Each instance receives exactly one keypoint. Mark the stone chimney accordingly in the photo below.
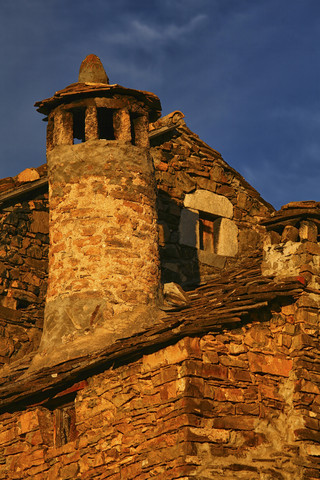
(103, 257)
(291, 246)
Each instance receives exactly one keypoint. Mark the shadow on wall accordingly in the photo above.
(179, 263)
(24, 239)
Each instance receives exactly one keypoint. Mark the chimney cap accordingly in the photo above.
(92, 71)
(294, 212)
(93, 82)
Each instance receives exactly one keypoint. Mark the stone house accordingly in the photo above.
(161, 322)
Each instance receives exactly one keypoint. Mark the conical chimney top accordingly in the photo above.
(92, 71)
(94, 82)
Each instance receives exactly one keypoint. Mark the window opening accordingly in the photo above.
(64, 426)
(208, 232)
(63, 411)
(133, 124)
(105, 123)
(62, 406)
(78, 125)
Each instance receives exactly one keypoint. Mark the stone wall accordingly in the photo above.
(260, 391)
(185, 164)
(234, 405)
(23, 265)
(291, 246)
(103, 258)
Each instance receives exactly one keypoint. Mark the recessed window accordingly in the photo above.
(134, 125)
(105, 123)
(78, 125)
(62, 406)
(208, 232)
(64, 425)
(206, 224)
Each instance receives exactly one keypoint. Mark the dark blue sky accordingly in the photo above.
(246, 74)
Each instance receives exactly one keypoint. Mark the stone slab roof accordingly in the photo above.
(222, 302)
(21, 184)
(84, 90)
(293, 211)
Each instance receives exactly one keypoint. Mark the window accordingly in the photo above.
(206, 224)
(63, 411)
(133, 129)
(208, 232)
(105, 123)
(64, 426)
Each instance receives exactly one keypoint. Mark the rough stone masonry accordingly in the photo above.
(224, 384)
(103, 259)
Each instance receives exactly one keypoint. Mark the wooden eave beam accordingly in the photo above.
(24, 189)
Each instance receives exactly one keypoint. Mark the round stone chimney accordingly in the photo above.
(103, 256)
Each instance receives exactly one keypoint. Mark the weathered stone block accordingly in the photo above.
(228, 238)
(275, 365)
(290, 233)
(28, 175)
(313, 450)
(289, 310)
(308, 230)
(302, 340)
(69, 471)
(214, 371)
(236, 422)
(28, 421)
(248, 239)
(40, 222)
(209, 434)
(308, 301)
(312, 248)
(229, 394)
(240, 375)
(170, 355)
(209, 202)
(247, 409)
(210, 357)
(258, 335)
(7, 436)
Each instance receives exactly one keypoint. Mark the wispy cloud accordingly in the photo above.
(141, 34)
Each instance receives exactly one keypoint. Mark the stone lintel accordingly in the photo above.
(209, 202)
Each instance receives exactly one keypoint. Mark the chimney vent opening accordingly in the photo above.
(105, 123)
(78, 125)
